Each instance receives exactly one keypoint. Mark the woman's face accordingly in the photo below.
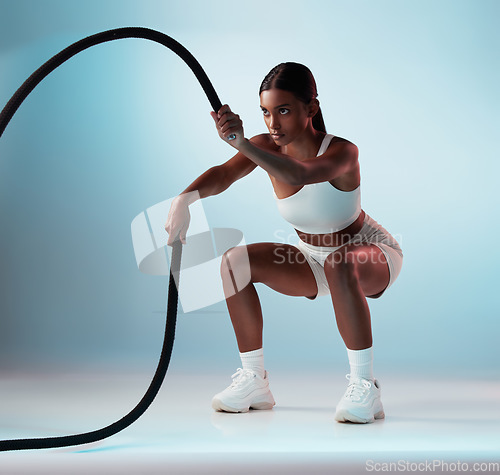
(286, 116)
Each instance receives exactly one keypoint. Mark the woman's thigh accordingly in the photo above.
(365, 262)
(282, 267)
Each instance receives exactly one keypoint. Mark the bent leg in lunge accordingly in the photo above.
(354, 272)
(281, 267)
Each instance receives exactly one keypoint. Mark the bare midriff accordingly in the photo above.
(336, 239)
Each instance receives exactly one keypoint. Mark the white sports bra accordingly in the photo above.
(320, 208)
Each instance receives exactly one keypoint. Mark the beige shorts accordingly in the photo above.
(371, 232)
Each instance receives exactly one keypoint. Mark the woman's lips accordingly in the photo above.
(276, 136)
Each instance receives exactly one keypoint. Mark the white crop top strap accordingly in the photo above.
(320, 208)
(324, 145)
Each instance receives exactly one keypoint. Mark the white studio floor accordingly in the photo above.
(438, 421)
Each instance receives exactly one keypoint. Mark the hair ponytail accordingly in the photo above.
(298, 79)
(318, 122)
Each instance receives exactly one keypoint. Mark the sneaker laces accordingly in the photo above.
(241, 376)
(357, 388)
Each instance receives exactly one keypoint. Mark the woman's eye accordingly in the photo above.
(284, 111)
(265, 112)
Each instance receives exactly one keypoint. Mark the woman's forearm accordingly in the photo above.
(283, 167)
(210, 183)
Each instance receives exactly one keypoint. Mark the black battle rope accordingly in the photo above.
(168, 342)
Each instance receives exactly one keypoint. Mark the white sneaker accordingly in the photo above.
(248, 390)
(361, 402)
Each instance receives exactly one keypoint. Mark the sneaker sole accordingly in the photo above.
(346, 416)
(219, 406)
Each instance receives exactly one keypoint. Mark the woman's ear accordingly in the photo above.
(313, 107)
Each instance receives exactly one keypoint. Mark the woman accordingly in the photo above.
(340, 250)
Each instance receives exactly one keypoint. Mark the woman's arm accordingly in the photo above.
(281, 166)
(336, 161)
(208, 183)
(214, 181)
(219, 178)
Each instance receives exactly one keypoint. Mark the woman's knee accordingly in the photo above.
(235, 267)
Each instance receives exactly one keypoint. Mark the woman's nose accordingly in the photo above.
(274, 124)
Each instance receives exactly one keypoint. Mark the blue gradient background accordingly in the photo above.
(125, 125)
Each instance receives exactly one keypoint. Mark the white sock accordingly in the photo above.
(361, 363)
(254, 360)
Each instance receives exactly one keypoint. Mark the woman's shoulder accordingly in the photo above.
(337, 139)
(343, 144)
